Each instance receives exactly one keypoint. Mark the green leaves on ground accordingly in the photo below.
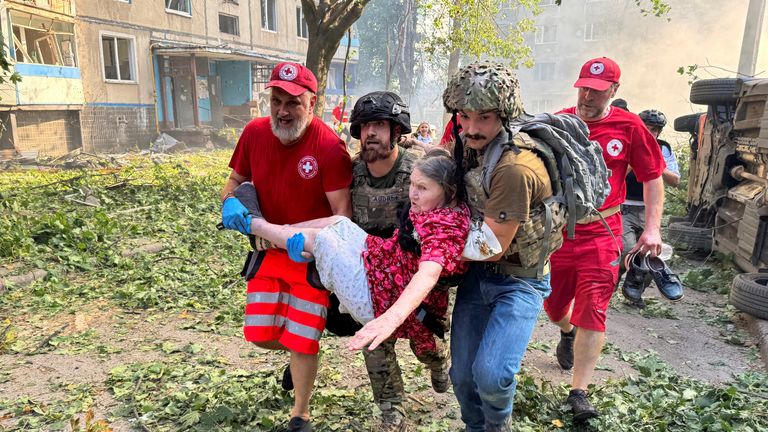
(657, 399)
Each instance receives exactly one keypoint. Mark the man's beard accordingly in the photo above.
(372, 154)
(289, 134)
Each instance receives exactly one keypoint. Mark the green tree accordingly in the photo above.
(327, 21)
(7, 74)
(388, 45)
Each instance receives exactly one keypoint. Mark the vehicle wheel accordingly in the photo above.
(673, 219)
(695, 237)
(688, 123)
(720, 91)
(749, 293)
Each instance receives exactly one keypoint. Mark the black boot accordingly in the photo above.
(287, 382)
(634, 281)
(565, 349)
(580, 406)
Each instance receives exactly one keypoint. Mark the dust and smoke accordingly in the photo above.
(649, 50)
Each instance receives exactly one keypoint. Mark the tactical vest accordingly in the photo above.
(376, 210)
(532, 245)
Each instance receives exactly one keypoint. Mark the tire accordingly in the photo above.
(749, 293)
(694, 237)
(688, 123)
(720, 91)
(673, 219)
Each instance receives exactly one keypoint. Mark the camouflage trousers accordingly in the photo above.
(386, 376)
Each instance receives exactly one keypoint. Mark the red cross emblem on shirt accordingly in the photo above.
(614, 147)
(308, 167)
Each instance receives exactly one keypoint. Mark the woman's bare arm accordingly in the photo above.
(415, 292)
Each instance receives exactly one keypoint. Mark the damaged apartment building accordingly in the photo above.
(110, 75)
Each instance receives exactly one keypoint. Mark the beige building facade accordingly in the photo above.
(119, 72)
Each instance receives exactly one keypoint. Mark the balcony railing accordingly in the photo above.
(61, 6)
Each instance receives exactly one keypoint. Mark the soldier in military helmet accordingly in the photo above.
(499, 300)
(381, 179)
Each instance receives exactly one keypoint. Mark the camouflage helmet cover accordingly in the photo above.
(484, 87)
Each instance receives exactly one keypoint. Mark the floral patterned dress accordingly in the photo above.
(441, 233)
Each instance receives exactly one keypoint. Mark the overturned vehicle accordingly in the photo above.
(727, 193)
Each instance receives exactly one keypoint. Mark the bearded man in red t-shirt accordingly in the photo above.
(301, 171)
(582, 289)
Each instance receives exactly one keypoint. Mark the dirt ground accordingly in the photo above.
(695, 344)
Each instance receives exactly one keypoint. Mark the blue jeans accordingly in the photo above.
(492, 323)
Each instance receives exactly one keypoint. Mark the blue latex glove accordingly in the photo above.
(295, 246)
(235, 216)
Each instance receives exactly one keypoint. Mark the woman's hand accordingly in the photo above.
(375, 332)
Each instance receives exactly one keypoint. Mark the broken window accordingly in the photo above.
(43, 40)
(179, 5)
(229, 24)
(119, 58)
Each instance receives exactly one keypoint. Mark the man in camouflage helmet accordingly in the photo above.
(381, 179)
(499, 300)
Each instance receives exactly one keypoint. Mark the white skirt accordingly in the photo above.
(339, 259)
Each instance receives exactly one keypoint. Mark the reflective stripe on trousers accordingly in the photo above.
(278, 321)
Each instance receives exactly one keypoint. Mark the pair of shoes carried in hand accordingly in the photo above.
(638, 266)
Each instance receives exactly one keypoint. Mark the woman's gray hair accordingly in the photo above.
(439, 166)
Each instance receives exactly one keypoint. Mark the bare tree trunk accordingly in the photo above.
(344, 75)
(388, 73)
(406, 62)
(453, 59)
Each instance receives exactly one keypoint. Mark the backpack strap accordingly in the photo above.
(493, 154)
(566, 174)
(547, 232)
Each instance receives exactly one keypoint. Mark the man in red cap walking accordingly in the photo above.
(301, 171)
(582, 289)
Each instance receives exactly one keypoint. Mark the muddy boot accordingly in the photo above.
(564, 349)
(246, 193)
(441, 382)
(580, 406)
(392, 418)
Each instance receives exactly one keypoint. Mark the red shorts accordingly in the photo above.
(582, 275)
(282, 305)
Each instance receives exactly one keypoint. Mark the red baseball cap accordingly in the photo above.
(598, 74)
(293, 78)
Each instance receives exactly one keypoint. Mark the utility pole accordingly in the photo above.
(751, 43)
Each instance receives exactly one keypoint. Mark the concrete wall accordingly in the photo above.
(117, 127)
(48, 85)
(52, 133)
(202, 27)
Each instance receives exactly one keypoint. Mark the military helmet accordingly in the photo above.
(380, 105)
(484, 87)
(653, 118)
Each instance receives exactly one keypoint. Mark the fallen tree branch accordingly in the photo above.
(132, 210)
(48, 339)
